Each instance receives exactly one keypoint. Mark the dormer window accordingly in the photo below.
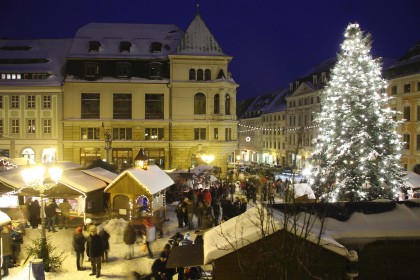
(155, 70)
(314, 79)
(123, 69)
(91, 70)
(297, 84)
(94, 46)
(291, 86)
(156, 47)
(125, 46)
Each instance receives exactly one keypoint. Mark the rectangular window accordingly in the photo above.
(46, 126)
(407, 113)
(122, 133)
(216, 133)
(1, 101)
(123, 69)
(394, 90)
(90, 133)
(46, 102)
(15, 102)
(154, 106)
(407, 88)
(30, 102)
(418, 142)
(15, 126)
(153, 134)
(407, 141)
(91, 70)
(122, 106)
(31, 126)
(90, 106)
(1, 128)
(228, 134)
(199, 134)
(418, 112)
(418, 86)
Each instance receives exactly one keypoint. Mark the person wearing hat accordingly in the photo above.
(95, 250)
(159, 270)
(79, 241)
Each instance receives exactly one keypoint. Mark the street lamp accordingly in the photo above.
(108, 144)
(34, 178)
(207, 158)
(141, 160)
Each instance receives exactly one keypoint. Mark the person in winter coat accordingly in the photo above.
(65, 208)
(94, 250)
(51, 214)
(6, 247)
(34, 213)
(180, 210)
(129, 240)
(159, 270)
(105, 242)
(17, 239)
(79, 241)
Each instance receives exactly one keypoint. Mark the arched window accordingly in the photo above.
(227, 104)
(207, 75)
(199, 104)
(217, 104)
(192, 74)
(199, 74)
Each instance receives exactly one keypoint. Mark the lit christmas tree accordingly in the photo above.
(358, 150)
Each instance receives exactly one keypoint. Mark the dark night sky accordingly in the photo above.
(272, 42)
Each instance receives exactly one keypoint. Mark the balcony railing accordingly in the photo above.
(90, 115)
(154, 116)
(122, 116)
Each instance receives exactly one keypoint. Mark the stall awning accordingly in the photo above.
(186, 256)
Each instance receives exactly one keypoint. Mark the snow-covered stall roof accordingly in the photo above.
(401, 222)
(153, 179)
(412, 179)
(102, 174)
(245, 229)
(4, 219)
(82, 182)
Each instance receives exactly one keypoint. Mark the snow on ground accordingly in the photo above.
(116, 268)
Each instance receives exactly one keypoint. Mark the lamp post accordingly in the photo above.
(108, 144)
(141, 160)
(207, 158)
(34, 178)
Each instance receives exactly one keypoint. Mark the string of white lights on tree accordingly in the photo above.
(358, 150)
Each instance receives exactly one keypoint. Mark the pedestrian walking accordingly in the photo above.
(79, 241)
(129, 240)
(34, 213)
(6, 247)
(51, 214)
(65, 208)
(94, 251)
(103, 233)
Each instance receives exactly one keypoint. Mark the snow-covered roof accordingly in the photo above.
(18, 57)
(102, 174)
(412, 179)
(153, 179)
(141, 36)
(81, 181)
(402, 222)
(4, 219)
(245, 229)
(198, 40)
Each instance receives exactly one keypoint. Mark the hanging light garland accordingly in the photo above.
(253, 128)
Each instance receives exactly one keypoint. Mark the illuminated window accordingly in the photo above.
(47, 126)
(31, 126)
(216, 133)
(30, 101)
(90, 133)
(153, 134)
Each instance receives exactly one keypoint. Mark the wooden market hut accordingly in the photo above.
(138, 191)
